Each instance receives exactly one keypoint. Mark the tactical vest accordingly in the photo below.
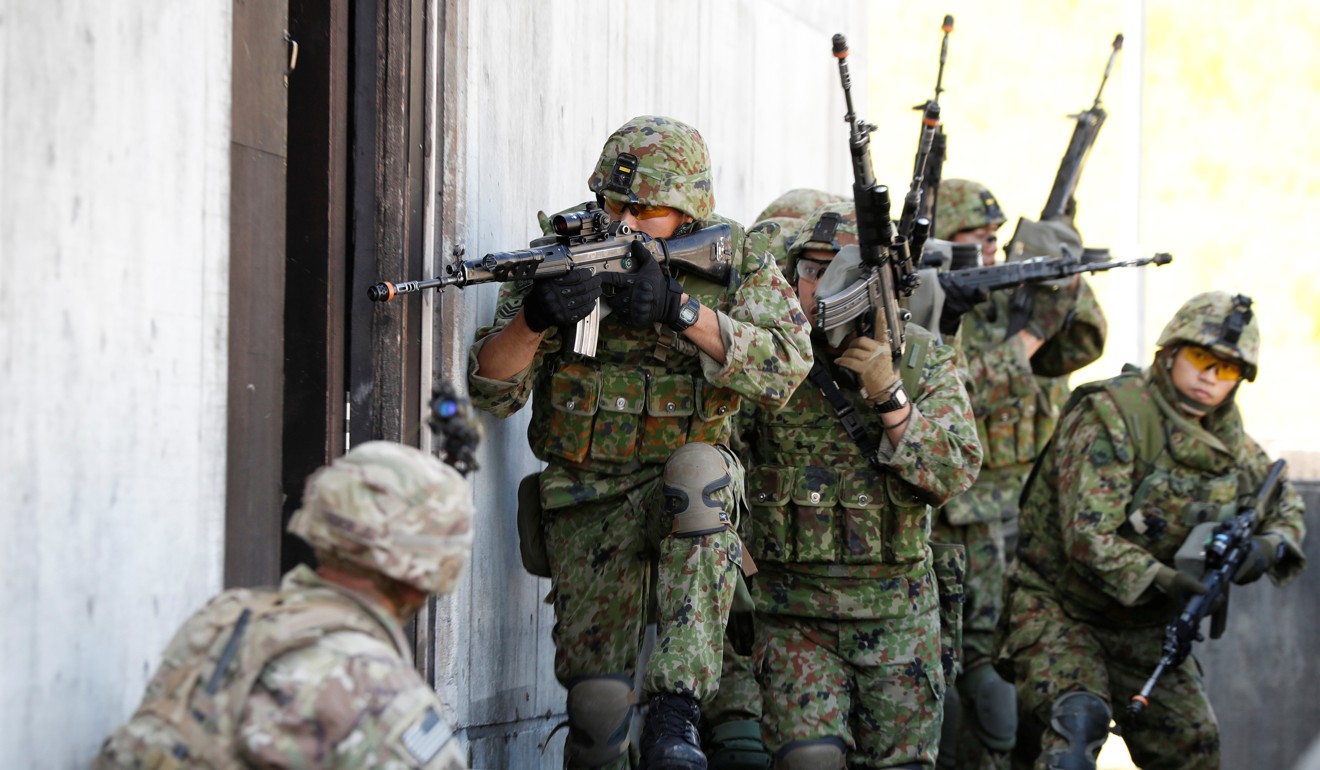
(194, 704)
(1012, 429)
(638, 399)
(816, 499)
(1170, 496)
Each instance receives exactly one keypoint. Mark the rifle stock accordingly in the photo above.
(583, 239)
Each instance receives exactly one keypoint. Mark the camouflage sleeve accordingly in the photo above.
(939, 455)
(347, 701)
(504, 397)
(1097, 464)
(766, 337)
(1285, 519)
(1080, 343)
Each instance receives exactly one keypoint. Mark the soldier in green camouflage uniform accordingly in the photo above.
(848, 640)
(1138, 461)
(798, 203)
(1019, 348)
(318, 675)
(639, 477)
(731, 721)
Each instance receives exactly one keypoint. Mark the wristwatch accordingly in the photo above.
(687, 314)
(895, 402)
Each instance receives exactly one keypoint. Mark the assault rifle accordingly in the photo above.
(1036, 270)
(1224, 553)
(932, 148)
(582, 239)
(1079, 147)
(855, 301)
(888, 272)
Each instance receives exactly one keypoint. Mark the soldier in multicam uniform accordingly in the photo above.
(848, 639)
(318, 674)
(1138, 461)
(1019, 348)
(639, 476)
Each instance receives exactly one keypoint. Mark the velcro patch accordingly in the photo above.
(425, 739)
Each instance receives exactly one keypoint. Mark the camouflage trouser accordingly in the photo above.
(739, 696)
(983, 585)
(1050, 654)
(875, 684)
(986, 568)
(602, 554)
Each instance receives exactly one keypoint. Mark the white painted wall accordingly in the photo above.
(547, 84)
(114, 183)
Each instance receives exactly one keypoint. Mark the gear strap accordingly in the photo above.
(848, 417)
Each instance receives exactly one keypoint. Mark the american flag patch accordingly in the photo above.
(425, 739)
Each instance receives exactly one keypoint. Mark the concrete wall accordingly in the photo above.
(548, 82)
(1262, 672)
(114, 179)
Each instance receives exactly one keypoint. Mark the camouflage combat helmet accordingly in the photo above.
(781, 231)
(656, 161)
(393, 509)
(1220, 322)
(965, 205)
(830, 228)
(798, 203)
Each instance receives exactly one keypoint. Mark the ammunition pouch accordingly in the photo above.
(850, 515)
(614, 415)
(531, 536)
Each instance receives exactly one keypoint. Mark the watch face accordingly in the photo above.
(689, 313)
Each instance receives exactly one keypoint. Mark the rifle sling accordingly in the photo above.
(848, 417)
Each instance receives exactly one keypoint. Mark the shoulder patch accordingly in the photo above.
(425, 739)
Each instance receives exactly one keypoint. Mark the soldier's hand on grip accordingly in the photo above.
(647, 295)
(957, 301)
(1179, 586)
(1265, 551)
(870, 360)
(561, 301)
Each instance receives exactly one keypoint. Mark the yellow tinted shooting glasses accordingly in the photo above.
(1203, 359)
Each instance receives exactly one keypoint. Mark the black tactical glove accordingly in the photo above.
(646, 295)
(1043, 309)
(957, 301)
(561, 301)
(1179, 586)
(1264, 552)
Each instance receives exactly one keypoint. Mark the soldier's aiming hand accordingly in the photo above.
(561, 301)
(646, 295)
(870, 360)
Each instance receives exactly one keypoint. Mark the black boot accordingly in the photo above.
(670, 740)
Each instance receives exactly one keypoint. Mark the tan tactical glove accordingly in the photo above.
(1179, 586)
(874, 367)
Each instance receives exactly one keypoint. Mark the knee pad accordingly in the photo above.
(694, 473)
(992, 716)
(600, 713)
(1082, 718)
(823, 754)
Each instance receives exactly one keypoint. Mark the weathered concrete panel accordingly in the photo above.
(114, 180)
(1264, 672)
